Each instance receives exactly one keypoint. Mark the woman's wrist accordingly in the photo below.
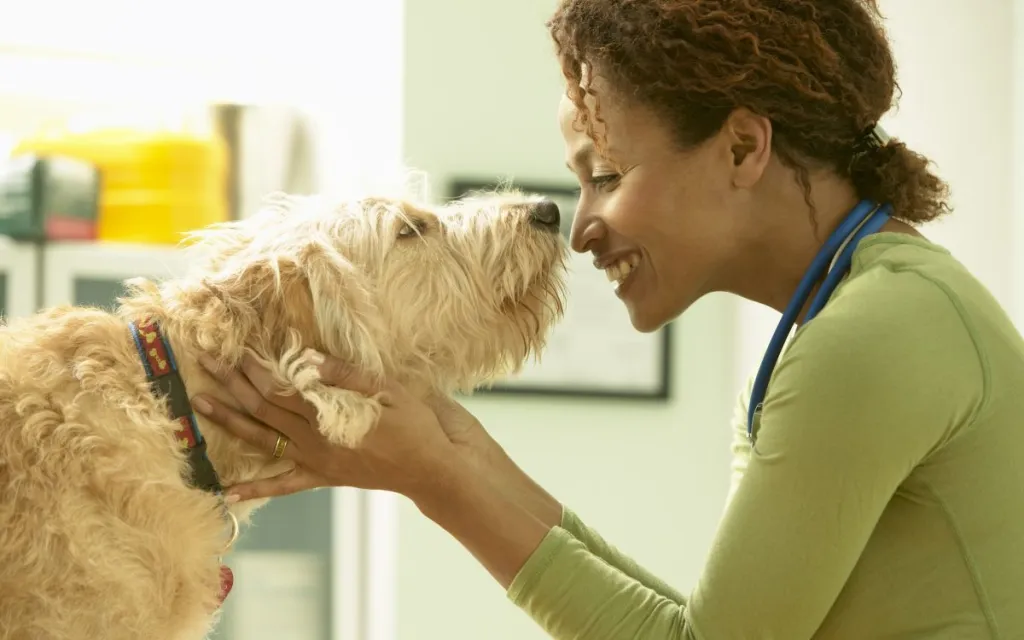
(518, 486)
(496, 528)
(534, 498)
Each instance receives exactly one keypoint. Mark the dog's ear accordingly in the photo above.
(233, 275)
(348, 321)
(348, 326)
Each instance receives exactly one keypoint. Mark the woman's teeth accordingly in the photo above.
(617, 272)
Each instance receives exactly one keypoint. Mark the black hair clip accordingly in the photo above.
(874, 137)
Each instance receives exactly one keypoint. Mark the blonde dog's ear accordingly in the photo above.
(348, 321)
(238, 280)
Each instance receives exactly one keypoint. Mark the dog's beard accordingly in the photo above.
(532, 312)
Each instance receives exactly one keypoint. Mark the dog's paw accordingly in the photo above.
(344, 417)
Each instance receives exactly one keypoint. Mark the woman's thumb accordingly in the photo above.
(341, 374)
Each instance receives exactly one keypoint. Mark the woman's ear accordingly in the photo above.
(750, 137)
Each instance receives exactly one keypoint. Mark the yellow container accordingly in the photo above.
(155, 185)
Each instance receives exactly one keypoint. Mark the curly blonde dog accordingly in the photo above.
(101, 534)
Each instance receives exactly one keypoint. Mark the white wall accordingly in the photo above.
(1018, 159)
(651, 477)
(481, 101)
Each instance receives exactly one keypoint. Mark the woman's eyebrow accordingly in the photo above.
(580, 156)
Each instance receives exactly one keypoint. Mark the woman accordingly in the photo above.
(719, 145)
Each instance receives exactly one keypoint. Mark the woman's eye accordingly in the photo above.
(604, 181)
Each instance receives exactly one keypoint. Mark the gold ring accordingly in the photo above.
(279, 447)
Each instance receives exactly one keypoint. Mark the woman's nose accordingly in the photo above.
(586, 229)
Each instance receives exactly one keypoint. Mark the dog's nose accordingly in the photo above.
(544, 215)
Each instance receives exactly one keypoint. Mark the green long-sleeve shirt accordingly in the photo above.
(884, 497)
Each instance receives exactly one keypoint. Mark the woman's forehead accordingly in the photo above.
(620, 127)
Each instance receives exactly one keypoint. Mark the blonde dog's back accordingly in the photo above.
(92, 504)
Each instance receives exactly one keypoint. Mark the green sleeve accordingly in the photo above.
(863, 394)
(602, 549)
(740, 442)
(596, 545)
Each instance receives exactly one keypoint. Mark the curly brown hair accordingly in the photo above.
(821, 70)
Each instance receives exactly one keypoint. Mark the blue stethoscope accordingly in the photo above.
(833, 261)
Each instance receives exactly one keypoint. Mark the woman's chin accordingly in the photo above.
(648, 318)
(643, 320)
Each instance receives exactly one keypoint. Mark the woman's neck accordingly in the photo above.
(786, 235)
(778, 257)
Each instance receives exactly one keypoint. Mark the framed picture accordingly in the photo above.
(594, 351)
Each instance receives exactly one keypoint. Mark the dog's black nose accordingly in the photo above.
(544, 215)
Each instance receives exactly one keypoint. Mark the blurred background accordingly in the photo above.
(124, 123)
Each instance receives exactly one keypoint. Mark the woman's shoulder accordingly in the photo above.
(911, 327)
(909, 294)
(911, 288)
(905, 333)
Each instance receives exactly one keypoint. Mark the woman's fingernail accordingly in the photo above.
(201, 405)
(232, 498)
(313, 356)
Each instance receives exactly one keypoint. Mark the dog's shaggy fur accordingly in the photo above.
(100, 536)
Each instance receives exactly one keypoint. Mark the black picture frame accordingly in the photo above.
(566, 198)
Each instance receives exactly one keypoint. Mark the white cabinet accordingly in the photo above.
(86, 273)
(18, 278)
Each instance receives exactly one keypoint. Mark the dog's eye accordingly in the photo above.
(412, 228)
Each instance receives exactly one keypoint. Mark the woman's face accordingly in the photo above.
(666, 228)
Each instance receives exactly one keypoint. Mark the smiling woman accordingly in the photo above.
(731, 145)
(643, 118)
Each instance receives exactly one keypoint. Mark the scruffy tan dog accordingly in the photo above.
(101, 534)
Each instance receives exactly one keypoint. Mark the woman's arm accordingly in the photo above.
(502, 531)
(517, 486)
(499, 531)
(598, 546)
(568, 589)
(615, 558)
(845, 422)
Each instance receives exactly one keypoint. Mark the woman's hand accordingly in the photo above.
(408, 452)
(435, 453)
(405, 427)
